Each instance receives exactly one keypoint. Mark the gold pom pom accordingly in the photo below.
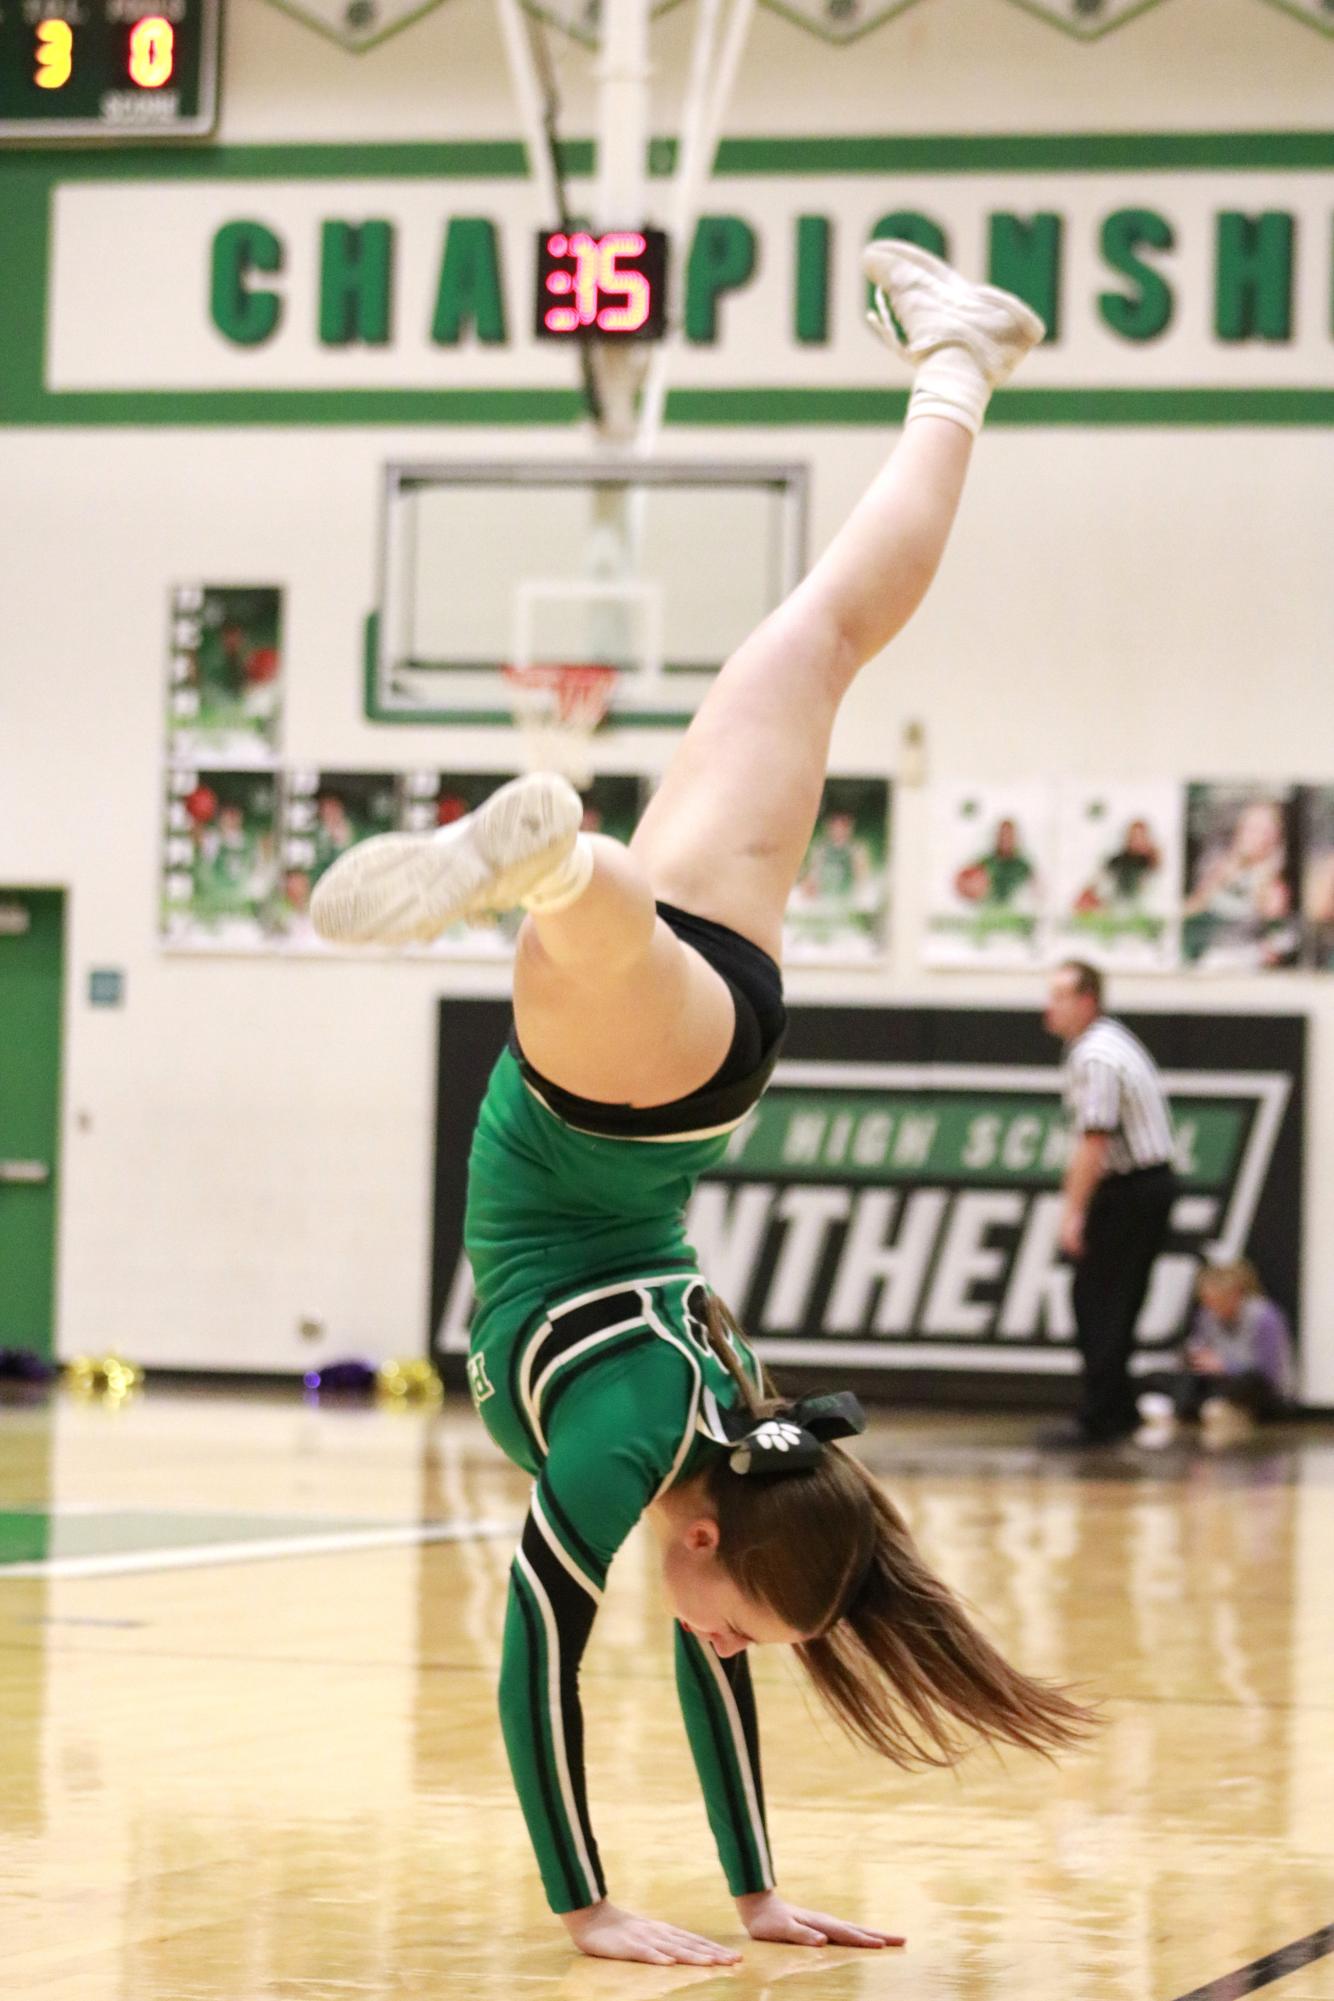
(110, 1377)
(414, 1381)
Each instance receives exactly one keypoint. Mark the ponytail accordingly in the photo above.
(892, 1652)
(907, 1673)
(725, 1339)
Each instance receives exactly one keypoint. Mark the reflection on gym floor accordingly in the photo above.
(248, 1652)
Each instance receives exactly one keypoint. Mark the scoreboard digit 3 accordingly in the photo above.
(108, 69)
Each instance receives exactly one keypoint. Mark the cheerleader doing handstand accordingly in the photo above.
(648, 1016)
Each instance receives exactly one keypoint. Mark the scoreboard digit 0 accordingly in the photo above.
(108, 69)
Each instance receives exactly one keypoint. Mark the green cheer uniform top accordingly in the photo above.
(591, 1369)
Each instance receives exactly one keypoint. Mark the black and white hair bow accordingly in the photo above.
(792, 1440)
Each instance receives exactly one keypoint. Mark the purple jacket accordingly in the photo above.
(1258, 1340)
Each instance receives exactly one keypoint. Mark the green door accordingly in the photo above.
(32, 939)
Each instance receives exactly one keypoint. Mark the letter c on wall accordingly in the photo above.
(244, 315)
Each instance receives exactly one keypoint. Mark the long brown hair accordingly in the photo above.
(894, 1656)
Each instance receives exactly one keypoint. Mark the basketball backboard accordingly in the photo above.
(659, 568)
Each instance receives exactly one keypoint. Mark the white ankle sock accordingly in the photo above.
(950, 384)
(566, 883)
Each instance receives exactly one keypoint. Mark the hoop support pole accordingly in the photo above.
(623, 106)
(528, 92)
(708, 92)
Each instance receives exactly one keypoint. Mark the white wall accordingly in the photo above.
(247, 1143)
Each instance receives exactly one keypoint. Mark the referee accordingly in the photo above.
(1119, 1188)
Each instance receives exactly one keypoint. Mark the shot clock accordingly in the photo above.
(99, 69)
(612, 286)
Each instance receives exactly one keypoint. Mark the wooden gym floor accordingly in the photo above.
(248, 1652)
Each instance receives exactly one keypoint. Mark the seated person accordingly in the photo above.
(1236, 1366)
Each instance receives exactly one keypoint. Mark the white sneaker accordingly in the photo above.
(1159, 1414)
(1225, 1423)
(934, 307)
(395, 889)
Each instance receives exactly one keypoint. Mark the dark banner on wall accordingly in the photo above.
(893, 1203)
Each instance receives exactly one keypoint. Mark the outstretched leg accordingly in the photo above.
(609, 1003)
(727, 829)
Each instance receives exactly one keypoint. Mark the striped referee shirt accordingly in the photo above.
(1111, 1085)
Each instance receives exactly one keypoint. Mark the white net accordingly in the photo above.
(557, 708)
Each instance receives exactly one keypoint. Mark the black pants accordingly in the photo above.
(1189, 1389)
(1123, 1234)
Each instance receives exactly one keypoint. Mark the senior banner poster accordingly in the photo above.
(324, 814)
(838, 912)
(1240, 906)
(224, 697)
(220, 887)
(1116, 893)
(1318, 875)
(990, 874)
(613, 804)
(432, 800)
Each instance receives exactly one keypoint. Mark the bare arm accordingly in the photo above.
(1086, 1168)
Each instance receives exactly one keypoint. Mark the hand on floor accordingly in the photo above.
(768, 1916)
(604, 1931)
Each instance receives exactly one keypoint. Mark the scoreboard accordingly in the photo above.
(613, 285)
(108, 69)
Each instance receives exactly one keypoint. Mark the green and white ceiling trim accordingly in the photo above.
(358, 25)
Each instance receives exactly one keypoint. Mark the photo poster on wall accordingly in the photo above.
(990, 870)
(324, 813)
(1115, 895)
(431, 800)
(225, 678)
(1317, 820)
(435, 799)
(838, 912)
(220, 853)
(613, 804)
(1240, 902)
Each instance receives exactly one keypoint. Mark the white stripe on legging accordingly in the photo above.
(558, 1723)
(688, 1434)
(562, 1556)
(743, 1760)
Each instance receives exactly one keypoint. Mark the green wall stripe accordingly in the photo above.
(309, 406)
(711, 407)
(865, 153)
(481, 159)
(1012, 407)
(1043, 152)
(24, 238)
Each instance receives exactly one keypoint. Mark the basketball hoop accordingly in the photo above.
(557, 708)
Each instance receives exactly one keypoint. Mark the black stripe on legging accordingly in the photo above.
(546, 1778)
(724, 1751)
(737, 1670)
(574, 1324)
(570, 1535)
(573, 1611)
